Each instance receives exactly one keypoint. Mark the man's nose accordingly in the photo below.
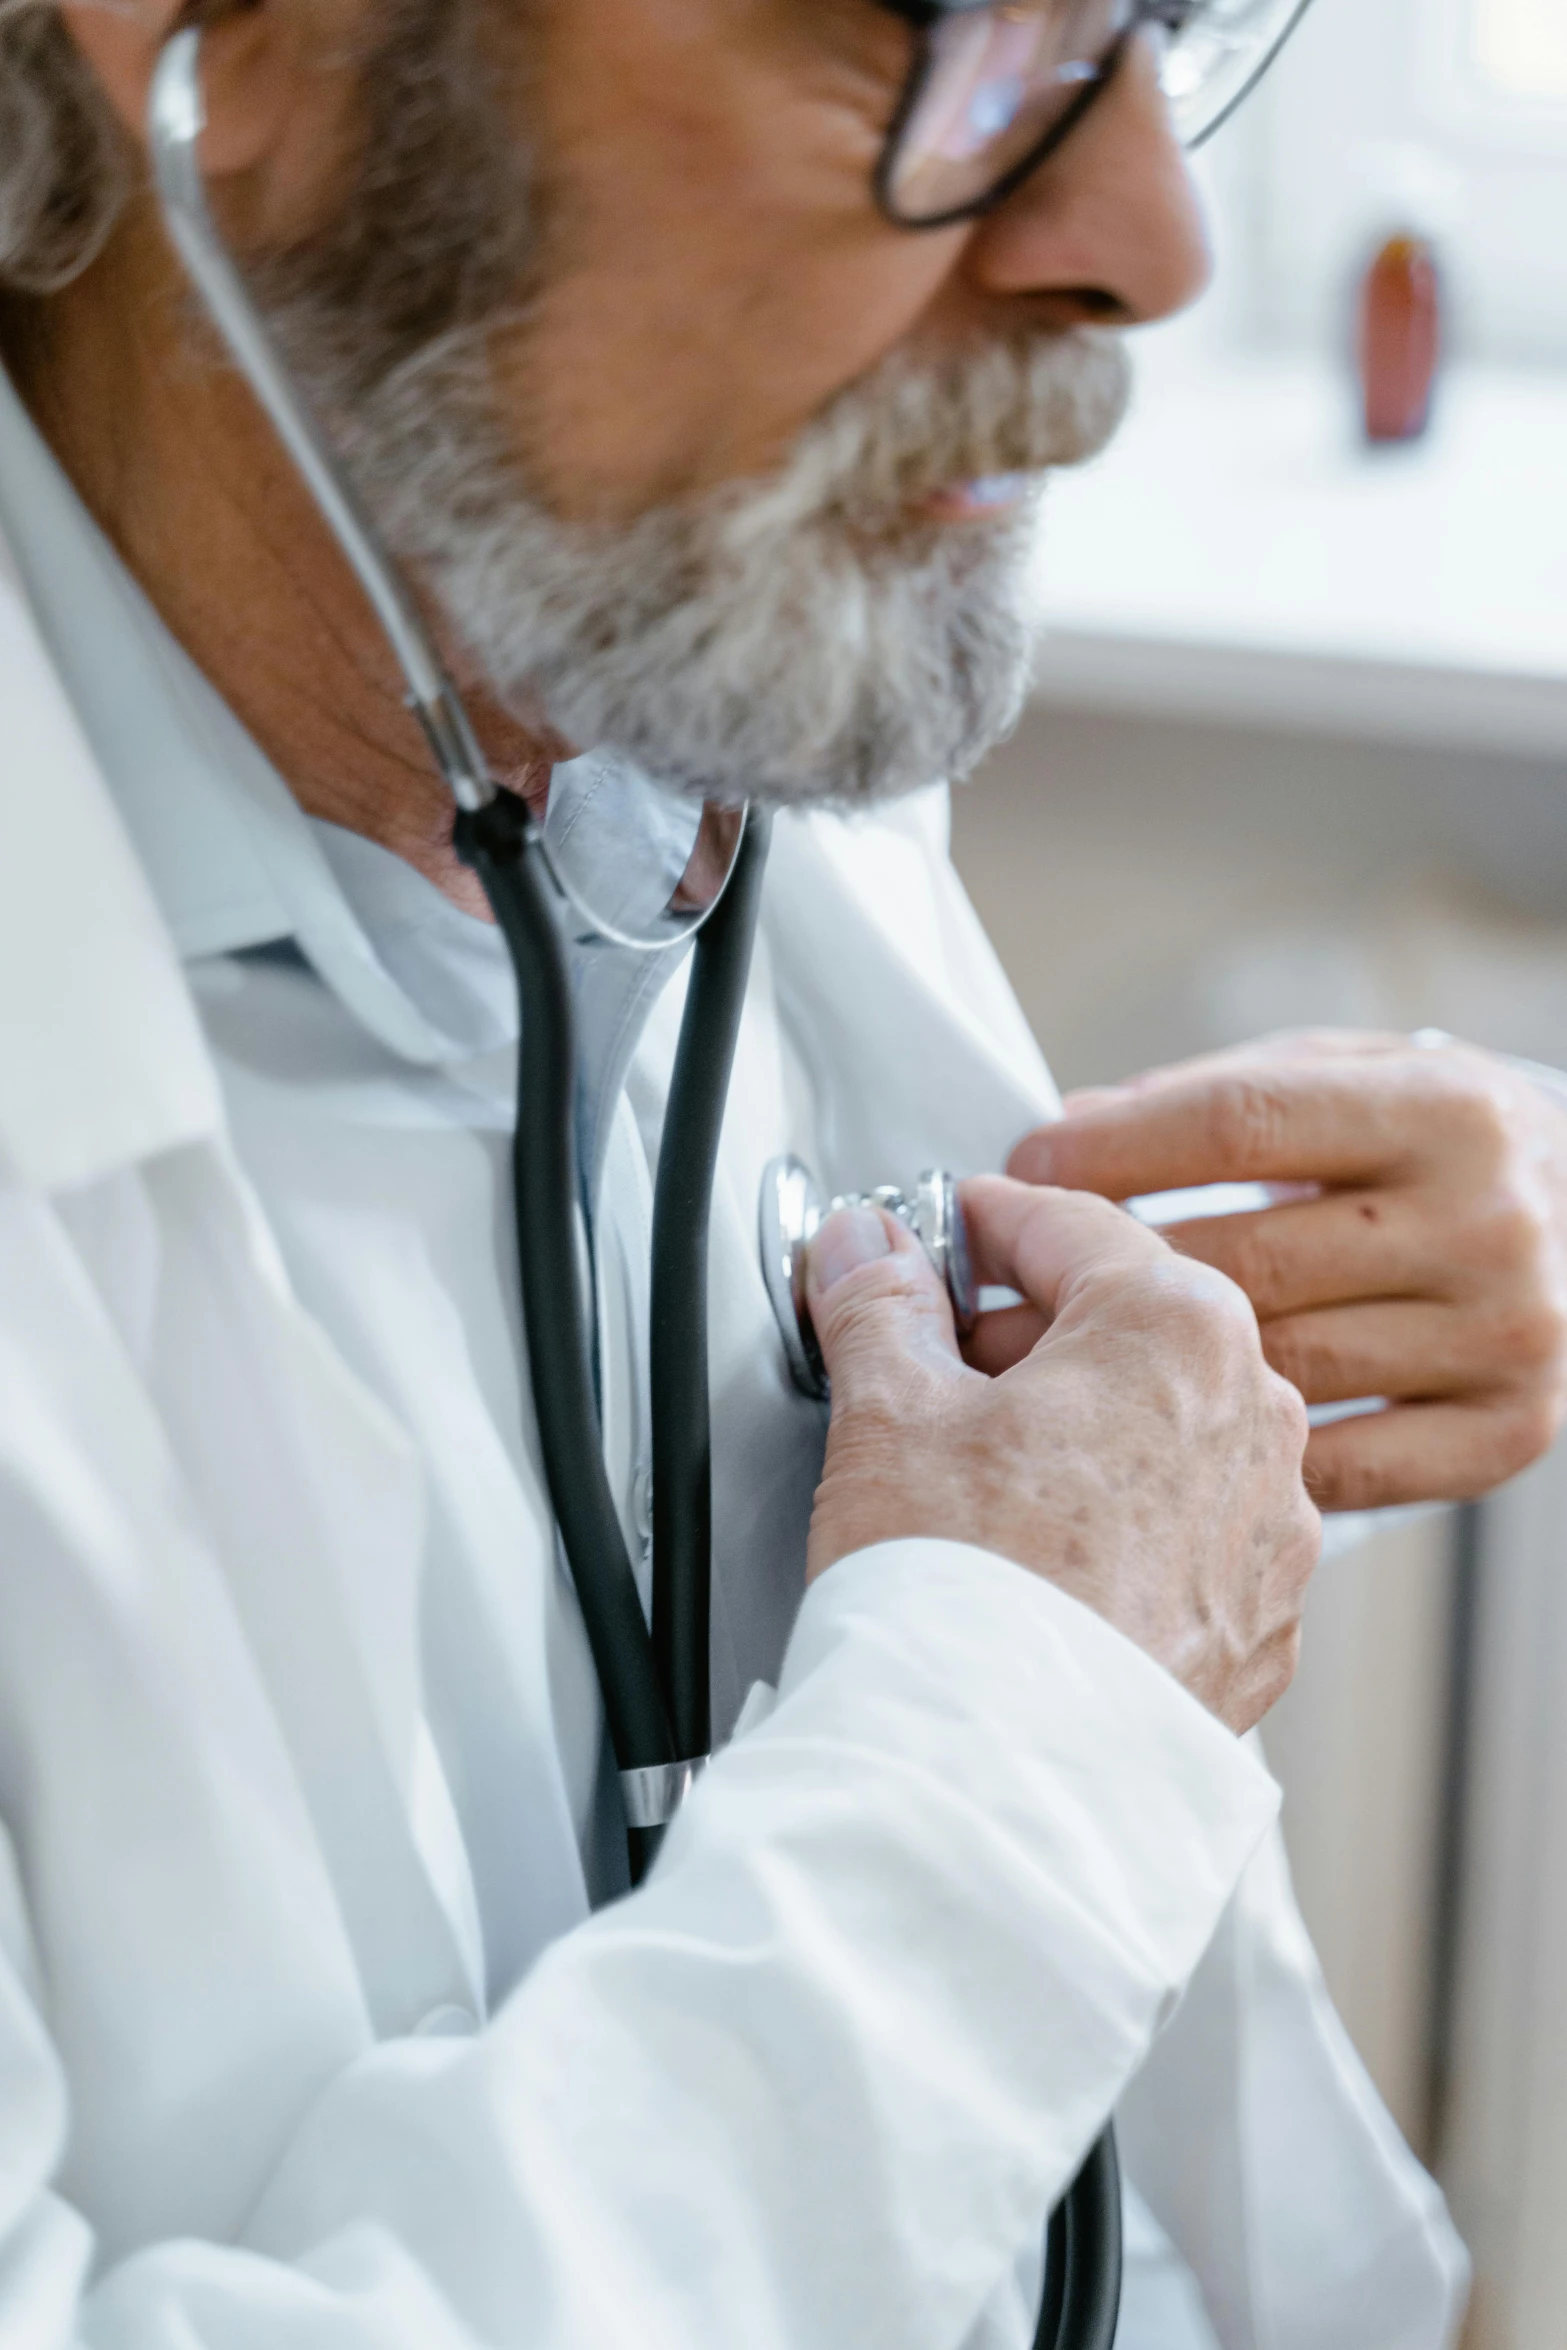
(1110, 227)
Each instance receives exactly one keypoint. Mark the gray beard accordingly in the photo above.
(800, 638)
(804, 637)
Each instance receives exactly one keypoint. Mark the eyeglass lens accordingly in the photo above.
(998, 82)
(1219, 53)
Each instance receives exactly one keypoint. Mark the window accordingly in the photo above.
(1519, 49)
(1455, 109)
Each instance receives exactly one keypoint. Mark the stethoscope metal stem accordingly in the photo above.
(653, 1796)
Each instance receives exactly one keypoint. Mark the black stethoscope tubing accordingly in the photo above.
(503, 846)
(655, 1680)
(682, 1214)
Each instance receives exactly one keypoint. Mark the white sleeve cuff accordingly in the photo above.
(1125, 1807)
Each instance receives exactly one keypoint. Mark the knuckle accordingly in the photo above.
(1308, 1537)
(869, 1301)
(1346, 1480)
(1476, 1111)
(1284, 1662)
(1293, 1354)
(1246, 1120)
(1534, 1339)
(1324, 1485)
(886, 1360)
(1113, 1221)
(1272, 1671)
(1349, 1487)
(1203, 1313)
(1138, 1289)
(1196, 1332)
(1524, 1432)
(1515, 1230)
(1030, 1160)
(1291, 1418)
(1257, 1263)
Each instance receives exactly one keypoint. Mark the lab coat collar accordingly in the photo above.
(234, 863)
(101, 1059)
(231, 859)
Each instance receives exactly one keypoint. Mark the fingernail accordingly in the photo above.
(854, 1236)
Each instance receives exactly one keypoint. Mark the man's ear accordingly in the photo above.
(250, 68)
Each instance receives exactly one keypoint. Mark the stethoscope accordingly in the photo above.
(653, 1674)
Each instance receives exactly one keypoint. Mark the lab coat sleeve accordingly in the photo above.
(813, 2086)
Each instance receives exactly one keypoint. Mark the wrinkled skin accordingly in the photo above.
(1141, 1454)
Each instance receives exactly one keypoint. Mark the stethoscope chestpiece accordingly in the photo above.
(789, 1215)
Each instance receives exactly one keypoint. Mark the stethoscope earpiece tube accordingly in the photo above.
(502, 844)
(682, 1425)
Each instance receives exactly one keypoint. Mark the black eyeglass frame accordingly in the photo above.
(925, 15)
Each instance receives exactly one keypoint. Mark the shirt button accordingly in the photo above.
(450, 2022)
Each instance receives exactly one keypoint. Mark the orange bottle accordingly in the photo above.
(1400, 339)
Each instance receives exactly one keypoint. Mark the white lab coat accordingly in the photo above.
(306, 2035)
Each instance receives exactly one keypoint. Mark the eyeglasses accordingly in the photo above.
(996, 85)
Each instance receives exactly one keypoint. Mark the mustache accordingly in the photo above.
(1018, 405)
(913, 425)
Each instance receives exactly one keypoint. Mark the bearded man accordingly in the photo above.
(701, 381)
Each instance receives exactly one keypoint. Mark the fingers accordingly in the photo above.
(1246, 1125)
(1084, 1265)
(1284, 1044)
(1049, 1243)
(1427, 1451)
(1414, 1349)
(1338, 1118)
(1345, 1245)
(879, 1308)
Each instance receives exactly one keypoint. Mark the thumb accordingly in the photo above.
(878, 1305)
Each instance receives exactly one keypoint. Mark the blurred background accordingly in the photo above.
(1298, 753)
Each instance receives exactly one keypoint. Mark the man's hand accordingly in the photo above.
(1141, 1455)
(1426, 1265)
